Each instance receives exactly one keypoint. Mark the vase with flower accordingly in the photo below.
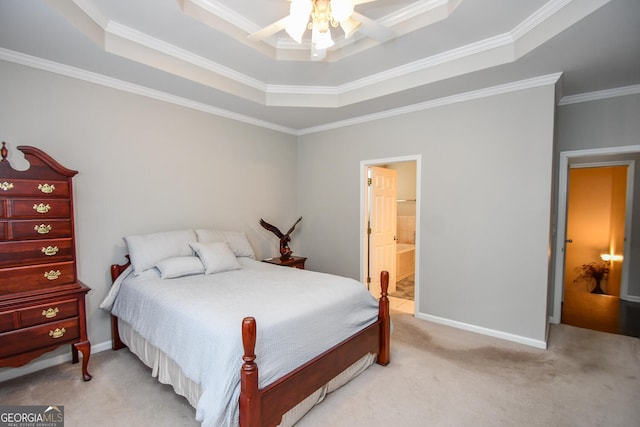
(594, 272)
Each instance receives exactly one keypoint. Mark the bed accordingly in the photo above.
(196, 307)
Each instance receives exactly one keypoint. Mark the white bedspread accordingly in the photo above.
(196, 320)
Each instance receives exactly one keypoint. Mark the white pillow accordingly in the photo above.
(217, 257)
(171, 268)
(237, 240)
(147, 250)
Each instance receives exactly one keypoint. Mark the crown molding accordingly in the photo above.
(553, 17)
(539, 17)
(223, 12)
(130, 34)
(600, 94)
(102, 80)
(76, 73)
(550, 79)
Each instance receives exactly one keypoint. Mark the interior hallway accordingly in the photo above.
(599, 312)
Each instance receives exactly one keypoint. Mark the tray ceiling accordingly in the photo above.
(199, 53)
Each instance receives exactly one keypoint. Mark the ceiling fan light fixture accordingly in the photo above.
(296, 25)
(341, 10)
(321, 15)
(321, 40)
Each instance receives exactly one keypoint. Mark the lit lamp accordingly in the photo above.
(611, 257)
(341, 10)
(318, 16)
(298, 18)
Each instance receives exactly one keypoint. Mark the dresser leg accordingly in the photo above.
(74, 354)
(85, 349)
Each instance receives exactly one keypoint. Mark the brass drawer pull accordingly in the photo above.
(42, 229)
(46, 188)
(6, 186)
(50, 313)
(52, 275)
(42, 208)
(50, 250)
(57, 333)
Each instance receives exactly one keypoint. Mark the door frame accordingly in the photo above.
(364, 209)
(561, 222)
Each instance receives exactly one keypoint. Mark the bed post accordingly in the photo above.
(384, 355)
(116, 342)
(249, 394)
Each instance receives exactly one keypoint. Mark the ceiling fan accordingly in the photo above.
(318, 16)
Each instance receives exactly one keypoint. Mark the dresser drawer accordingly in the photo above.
(36, 277)
(47, 313)
(39, 208)
(34, 229)
(6, 321)
(35, 252)
(28, 187)
(22, 340)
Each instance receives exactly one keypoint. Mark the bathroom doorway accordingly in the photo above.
(405, 233)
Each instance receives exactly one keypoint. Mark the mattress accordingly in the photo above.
(195, 321)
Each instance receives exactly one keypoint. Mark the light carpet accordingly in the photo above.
(438, 376)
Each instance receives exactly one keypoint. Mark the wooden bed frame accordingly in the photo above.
(265, 407)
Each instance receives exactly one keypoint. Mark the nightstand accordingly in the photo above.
(294, 261)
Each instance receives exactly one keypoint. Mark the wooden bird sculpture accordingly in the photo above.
(285, 251)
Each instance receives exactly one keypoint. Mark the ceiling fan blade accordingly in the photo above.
(269, 30)
(371, 28)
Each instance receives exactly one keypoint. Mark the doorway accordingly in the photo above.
(390, 228)
(594, 247)
(607, 311)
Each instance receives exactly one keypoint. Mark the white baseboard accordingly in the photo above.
(40, 364)
(631, 298)
(484, 331)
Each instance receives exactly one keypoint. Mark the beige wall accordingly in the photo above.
(484, 204)
(146, 166)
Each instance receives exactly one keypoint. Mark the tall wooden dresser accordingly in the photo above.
(42, 303)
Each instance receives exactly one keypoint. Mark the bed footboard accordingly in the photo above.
(265, 407)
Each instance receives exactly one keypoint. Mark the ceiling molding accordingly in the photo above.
(601, 94)
(550, 79)
(76, 73)
(553, 17)
(102, 80)
(130, 34)
(221, 11)
(508, 47)
(539, 17)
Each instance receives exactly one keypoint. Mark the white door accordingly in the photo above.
(383, 189)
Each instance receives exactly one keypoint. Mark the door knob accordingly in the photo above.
(569, 241)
